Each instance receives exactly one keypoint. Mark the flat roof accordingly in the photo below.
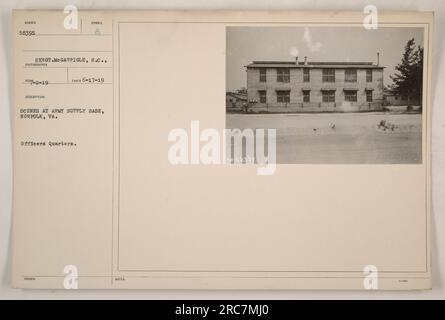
(313, 64)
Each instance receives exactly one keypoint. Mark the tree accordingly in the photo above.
(418, 73)
(408, 78)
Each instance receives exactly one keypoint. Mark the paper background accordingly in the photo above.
(5, 225)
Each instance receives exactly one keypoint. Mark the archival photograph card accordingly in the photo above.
(222, 150)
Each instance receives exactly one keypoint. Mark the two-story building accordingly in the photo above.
(293, 86)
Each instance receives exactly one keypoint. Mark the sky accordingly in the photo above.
(354, 44)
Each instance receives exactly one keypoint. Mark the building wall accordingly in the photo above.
(296, 87)
(233, 102)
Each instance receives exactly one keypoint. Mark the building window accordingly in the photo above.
(306, 95)
(368, 95)
(351, 75)
(369, 75)
(263, 75)
(328, 95)
(351, 95)
(283, 96)
(283, 75)
(328, 75)
(263, 96)
(306, 75)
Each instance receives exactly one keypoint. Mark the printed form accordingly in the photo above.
(123, 178)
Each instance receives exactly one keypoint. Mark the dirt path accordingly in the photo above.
(340, 138)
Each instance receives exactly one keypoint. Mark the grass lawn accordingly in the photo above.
(339, 137)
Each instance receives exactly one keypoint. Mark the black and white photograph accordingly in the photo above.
(334, 94)
(230, 152)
